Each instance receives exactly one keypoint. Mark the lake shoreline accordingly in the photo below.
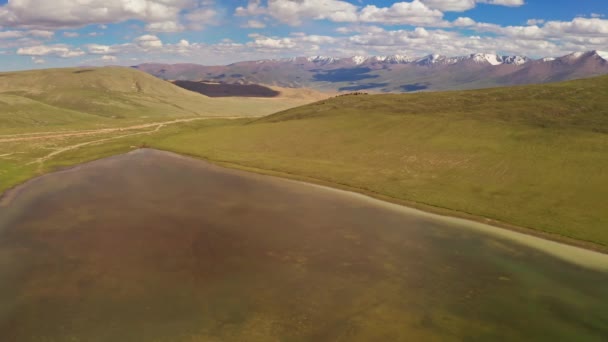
(421, 208)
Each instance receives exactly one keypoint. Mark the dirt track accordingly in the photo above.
(52, 135)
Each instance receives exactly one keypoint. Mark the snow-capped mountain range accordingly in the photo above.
(484, 58)
(394, 73)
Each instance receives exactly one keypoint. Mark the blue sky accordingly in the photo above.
(58, 33)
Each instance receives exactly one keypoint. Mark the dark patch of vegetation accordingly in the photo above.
(228, 90)
(352, 94)
(83, 71)
(363, 86)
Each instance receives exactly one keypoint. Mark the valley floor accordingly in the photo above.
(240, 144)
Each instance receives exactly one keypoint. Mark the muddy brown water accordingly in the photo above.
(151, 246)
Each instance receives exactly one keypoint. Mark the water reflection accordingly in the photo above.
(150, 246)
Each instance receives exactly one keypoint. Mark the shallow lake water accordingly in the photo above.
(151, 246)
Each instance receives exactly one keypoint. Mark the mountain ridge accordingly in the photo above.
(393, 73)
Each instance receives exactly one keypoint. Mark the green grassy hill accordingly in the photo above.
(532, 156)
(112, 96)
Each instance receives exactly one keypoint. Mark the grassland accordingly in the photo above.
(93, 98)
(532, 156)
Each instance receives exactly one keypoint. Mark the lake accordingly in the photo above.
(152, 246)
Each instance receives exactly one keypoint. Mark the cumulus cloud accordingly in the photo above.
(463, 22)
(579, 29)
(578, 26)
(509, 3)
(58, 50)
(161, 15)
(272, 43)
(200, 18)
(451, 5)
(165, 26)
(535, 21)
(410, 13)
(464, 5)
(12, 34)
(97, 49)
(359, 29)
(148, 41)
(293, 12)
(254, 7)
(415, 12)
(254, 24)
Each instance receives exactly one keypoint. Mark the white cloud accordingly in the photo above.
(200, 18)
(108, 58)
(71, 34)
(464, 5)
(96, 49)
(148, 41)
(165, 26)
(415, 12)
(31, 33)
(451, 5)
(509, 3)
(161, 15)
(578, 26)
(410, 13)
(254, 7)
(535, 21)
(463, 22)
(271, 43)
(359, 29)
(38, 60)
(42, 33)
(293, 12)
(11, 34)
(254, 24)
(58, 50)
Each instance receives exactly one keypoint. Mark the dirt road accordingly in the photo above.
(52, 135)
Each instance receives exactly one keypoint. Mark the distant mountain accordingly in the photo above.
(396, 73)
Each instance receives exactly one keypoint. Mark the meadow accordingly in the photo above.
(532, 157)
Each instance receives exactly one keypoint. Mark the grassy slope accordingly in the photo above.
(533, 156)
(75, 99)
(99, 97)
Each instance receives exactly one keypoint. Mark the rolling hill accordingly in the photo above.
(396, 73)
(110, 96)
(525, 156)
(530, 156)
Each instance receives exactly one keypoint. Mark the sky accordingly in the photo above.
(61, 33)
